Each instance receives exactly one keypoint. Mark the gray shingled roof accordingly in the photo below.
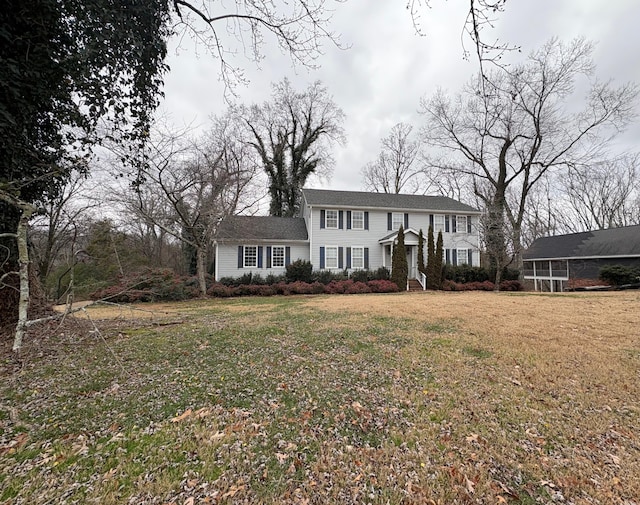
(384, 201)
(590, 244)
(236, 228)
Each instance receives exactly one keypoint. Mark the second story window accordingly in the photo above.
(461, 224)
(331, 219)
(357, 220)
(398, 220)
(438, 223)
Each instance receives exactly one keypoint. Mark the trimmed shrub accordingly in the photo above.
(274, 279)
(381, 274)
(299, 271)
(511, 285)
(360, 275)
(618, 275)
(382, 286)
(219, 290)
(356, 288)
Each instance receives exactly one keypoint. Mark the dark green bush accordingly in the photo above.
(360, 276)
(617, 275)
(299, 270)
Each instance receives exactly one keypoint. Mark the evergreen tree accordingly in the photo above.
(438, 263)
(432, 283)
(399, 265)
(421, 265)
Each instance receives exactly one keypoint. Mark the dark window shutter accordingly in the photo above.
(340, 219)
(454, 257)
(240, 258)
(348, 257)
(322, 257)
(470, 259)
(446, 224)
(454, 224)
(340, 259)
(268, 256)
(447, 254)
(259, 256)
(366, 257)
(287, 256)
(348, 220)
(322, 219)
(468, 224)
(406, 221)
(366, 220)
(389, 221)
(431, 220)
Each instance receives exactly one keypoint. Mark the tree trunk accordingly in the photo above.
(23, 259)
(202, 270)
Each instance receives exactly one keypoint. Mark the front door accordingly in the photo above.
(411, 262)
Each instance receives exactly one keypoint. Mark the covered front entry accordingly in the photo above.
(411, 246)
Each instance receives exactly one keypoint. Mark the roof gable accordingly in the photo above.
(388, 201)
(624, 241)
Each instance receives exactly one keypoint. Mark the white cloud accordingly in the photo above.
(380, 79)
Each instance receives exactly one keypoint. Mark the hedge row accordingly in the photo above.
(303, 288)
(481, 286)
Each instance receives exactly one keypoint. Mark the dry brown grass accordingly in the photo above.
(429, 398)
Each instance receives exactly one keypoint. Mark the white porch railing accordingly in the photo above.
(422, 279)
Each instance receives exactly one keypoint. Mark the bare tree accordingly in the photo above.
(506, 130)
(299, 27)
(292, 135)
(396, 169)
(190, 187)
(602, 195)
(53, 230)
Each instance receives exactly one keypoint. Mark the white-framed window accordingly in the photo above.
(397, 220)
(357, 257)
(462, 257)
(331, 219)
(357, 220)
(331, 257)
(438, 223)
(461, 224)
(250, 256)
(277, 256)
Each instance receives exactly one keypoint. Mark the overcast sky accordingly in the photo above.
(380, 79)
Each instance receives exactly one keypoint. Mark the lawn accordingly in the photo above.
(431, 398)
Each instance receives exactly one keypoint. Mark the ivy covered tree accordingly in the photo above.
(399, 265)
(292, 135)
(68, 67)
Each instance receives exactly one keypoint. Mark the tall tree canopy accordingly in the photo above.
(511, 126)
(395, 170)
(292, 134)
(67, 66)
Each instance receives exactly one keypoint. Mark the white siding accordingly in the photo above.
(378, 229)
(228, 259)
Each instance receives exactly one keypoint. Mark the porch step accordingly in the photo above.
(414, 285)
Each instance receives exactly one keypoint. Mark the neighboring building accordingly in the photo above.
(346, 230)
(553, 263)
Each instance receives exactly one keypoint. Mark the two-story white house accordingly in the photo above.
(346, 230)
